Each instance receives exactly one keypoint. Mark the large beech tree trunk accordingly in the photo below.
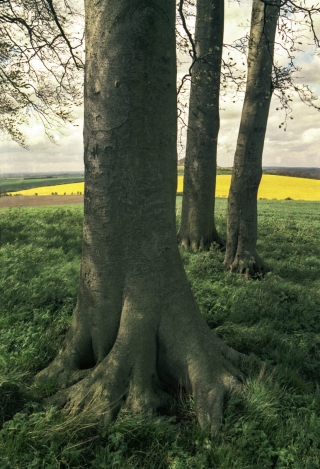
(197, 229)
(137, 332)
(241, 255)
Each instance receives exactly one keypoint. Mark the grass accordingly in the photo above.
(273, 421)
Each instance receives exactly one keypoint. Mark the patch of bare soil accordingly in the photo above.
(40, 200)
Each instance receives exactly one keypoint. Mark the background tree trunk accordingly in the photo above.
(137, 332)
(241, 255)
(197, 228)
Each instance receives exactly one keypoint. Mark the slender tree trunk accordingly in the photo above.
(137, 332)
(197, 229)
(241, 255)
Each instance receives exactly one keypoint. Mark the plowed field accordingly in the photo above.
(35, 201)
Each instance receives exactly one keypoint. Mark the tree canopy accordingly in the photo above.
(41, 64)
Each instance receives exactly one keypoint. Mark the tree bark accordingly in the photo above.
(137, 332)
(241, 255)
(197, 229)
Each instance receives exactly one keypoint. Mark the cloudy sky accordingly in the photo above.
(297, 146)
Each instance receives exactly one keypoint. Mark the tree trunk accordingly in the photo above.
(241, 255)
(137, 332)
(197, 229)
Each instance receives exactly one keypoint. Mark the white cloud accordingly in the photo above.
(310, 136)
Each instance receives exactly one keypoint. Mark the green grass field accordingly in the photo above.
(273, 421)
(18, 184)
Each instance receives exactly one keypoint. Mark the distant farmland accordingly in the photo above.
(25, 183)
(60, 189)
(271, 187)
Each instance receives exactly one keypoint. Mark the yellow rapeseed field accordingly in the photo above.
(271, 187)
(61, 189)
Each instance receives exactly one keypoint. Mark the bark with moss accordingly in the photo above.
(137, 334)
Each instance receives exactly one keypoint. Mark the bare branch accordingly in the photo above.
(40, 63)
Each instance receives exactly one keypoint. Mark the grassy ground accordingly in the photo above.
(273, 421)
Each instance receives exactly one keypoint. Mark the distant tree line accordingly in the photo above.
(292, 173)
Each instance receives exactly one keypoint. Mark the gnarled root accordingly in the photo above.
(247, 264)
(155, 354)
(196, 243)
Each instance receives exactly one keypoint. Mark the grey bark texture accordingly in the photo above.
(241, 255)
(197, 229)
(137, 333)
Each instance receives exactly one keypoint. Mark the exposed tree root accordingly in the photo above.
(111, 384)
(200, 243)
(146, 367)
(247, 264)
